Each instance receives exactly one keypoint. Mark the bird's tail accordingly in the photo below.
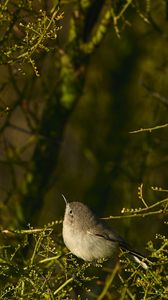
(139, 258)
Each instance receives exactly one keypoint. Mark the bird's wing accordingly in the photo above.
(103, 231)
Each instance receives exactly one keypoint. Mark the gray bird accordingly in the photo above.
(90, 238)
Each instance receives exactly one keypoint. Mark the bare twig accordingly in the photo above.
(150, 129)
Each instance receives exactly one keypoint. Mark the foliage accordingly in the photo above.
(48, 272)
(25, 29)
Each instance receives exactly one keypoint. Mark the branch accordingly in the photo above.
(150, 129)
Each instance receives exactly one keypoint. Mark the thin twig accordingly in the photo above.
(63, 285)
(108, 282)
(134, 215)
(149, 129)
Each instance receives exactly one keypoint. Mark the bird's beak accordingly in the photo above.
(66, 202)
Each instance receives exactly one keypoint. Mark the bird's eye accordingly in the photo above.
(70, 212)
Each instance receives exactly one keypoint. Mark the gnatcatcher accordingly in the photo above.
(90, 238)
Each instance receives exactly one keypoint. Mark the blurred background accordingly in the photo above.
(67, 113)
